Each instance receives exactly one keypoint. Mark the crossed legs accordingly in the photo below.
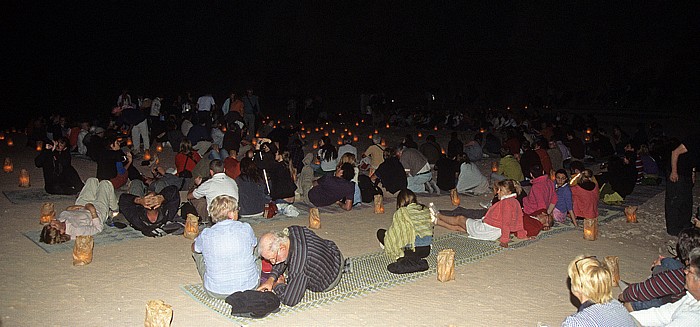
(455, 223)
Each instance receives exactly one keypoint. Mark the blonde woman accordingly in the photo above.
(591, 284)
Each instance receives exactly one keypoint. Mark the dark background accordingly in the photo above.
(75, 58)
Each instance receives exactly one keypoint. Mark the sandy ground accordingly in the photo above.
(521, 287)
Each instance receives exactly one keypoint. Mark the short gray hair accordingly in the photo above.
(695, 261)
(276, 238)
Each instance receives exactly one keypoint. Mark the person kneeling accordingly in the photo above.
(409, 236)
(310, 262)
(224, 253)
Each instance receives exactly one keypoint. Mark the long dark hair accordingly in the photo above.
(329, 151)
(250, 170)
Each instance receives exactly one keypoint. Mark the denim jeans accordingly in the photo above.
(416, 183)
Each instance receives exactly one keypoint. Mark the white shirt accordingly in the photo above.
(155, 107)
(80, 222)
(205, 103)
(217, 185)
(684, 312)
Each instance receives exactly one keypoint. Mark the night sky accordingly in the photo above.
(76, 58)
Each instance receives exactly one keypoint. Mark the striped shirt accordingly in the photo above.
(313, 263)
(669, 282)
(597, 314)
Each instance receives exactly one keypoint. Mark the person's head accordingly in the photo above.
(325, 140)
(505, 187)
(61, 143)
(51, 234)
(346, 171)
(536, 171)
(586, 181)
(216, 166)
(590, 280)
(347, 140)
(576, 167)
(505, 151)
(223, 207)
(399, 151)
(389, 152)
(688, 239)
(462, 158)
(250, 170)
(274, 246)
(692, 273)
(185, 146)
(630, 157)
(347, 158)
(542, 144)
(552, 144)
(112, 142)
(405, 197)
(561, 177)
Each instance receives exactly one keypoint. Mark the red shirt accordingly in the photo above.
(507, 215)
(182, 162)
(585, 202)
(232, 167)
(544, 160)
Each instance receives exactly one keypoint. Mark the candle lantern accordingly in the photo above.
(315, 145)
(494, 166)
(590, 229)
(158, 314)
(82, 250)
(435, 128)
(302, 128)
(363, 121)
(223, 129)
(257, 134)
(24, 178)
(314, 218)
(349, 132)
(316, 129)
(342, 135)
(369, 136)
(191, 227)
(2, 136)
(587, 138)
(48, 213)
(340, 142)
(10, 143)
(420, 134)
(303, 136)
(446, 265)
(147, 155)
(8, 167)
(308, 131)
(454, 196)
(333, 131)
(588, 130)
(355, 139)
(383, 143)
(39, 145)
(378, 204)
(129, 142)
(376, 131)
(159, 147)
(614, 266)
(387, 126)
(482, 130)
(631, 214)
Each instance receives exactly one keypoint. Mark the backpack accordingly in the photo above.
(367, 188)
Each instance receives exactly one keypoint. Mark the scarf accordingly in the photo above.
(408, 222)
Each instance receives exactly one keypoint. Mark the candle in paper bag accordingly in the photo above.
(420, 134)
(159, 147)
(454, 196)
(191, 227)
(378, 204)
(10, 143)
(446, 265)
(8, 167)
(158, 314)
(590, 229)
(129, 142)
(314, 218)
(82, 250)
(39, 146)
(147, 155)
(48, 213)
(24, 178)
(494, 166)
(631, 214)
(614, 266)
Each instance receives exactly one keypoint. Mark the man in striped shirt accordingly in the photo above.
(310, 263)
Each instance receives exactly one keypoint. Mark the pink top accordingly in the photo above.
(542, 194)
(506, 215)
(585, 202)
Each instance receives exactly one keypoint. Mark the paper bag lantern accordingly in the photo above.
(355, 138)
(24, 178)
(446, 265)
(147, 155)
(159, 147)
(631, 213)
(82, 250)
(39, 146)
(378, 204)
(314, 218)
(454, 196)
(191, 227)
(494, 166)
(613, 265)
(158, 314)
(420, 134)
(590, 229)
(48, 213)
(10, 143)
(552, 175)
(129, 142)
(8, 167)
(2, 136)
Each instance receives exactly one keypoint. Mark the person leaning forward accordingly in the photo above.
(310, 263)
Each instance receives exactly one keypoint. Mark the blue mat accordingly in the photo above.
(109, 235)
(35, 195)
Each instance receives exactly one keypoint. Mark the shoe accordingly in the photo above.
(485, 205)
(291, 211)
(405, 266)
